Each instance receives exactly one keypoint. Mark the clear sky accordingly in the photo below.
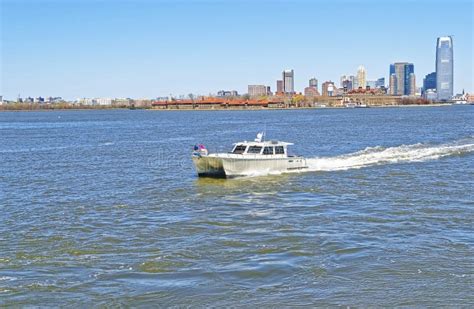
(145, 49)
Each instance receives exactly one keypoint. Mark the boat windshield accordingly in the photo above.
(254, 149)
(239, 149)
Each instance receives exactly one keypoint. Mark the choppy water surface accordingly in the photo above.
(104, 208)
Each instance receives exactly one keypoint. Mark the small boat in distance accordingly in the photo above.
(258, 157)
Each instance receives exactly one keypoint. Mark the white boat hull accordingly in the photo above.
(234, 166)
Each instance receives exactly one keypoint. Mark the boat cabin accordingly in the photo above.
(261, 148)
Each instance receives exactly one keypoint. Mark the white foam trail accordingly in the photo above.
(379, 155)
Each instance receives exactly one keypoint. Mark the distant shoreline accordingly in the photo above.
(227, 109)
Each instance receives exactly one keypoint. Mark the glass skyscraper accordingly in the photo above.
(444, 67)
(402, 78)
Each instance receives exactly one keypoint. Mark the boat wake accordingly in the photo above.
(372, 156)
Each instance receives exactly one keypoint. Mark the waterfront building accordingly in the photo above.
(402, 79)
(380, 83)
(328, 89)
(361, 77)
(288, 81)
(444, 68)
(258, 90)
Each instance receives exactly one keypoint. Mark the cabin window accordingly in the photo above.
(279, 150)
(268, 150)
(254, 149)
(239, 149)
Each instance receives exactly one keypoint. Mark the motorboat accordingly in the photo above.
(247, 158)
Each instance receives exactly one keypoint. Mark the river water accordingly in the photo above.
(104, 208)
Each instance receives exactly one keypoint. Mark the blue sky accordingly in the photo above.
(87, 48)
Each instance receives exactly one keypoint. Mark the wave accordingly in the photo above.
(372, 156)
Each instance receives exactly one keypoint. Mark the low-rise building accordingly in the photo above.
(258, 90)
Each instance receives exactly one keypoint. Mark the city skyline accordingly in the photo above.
(105, 49)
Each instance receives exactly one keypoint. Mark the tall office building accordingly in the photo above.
(361, 77)
(313, 82)
(279, 86)
(444, 67)
(402, 79)
(288, 81)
